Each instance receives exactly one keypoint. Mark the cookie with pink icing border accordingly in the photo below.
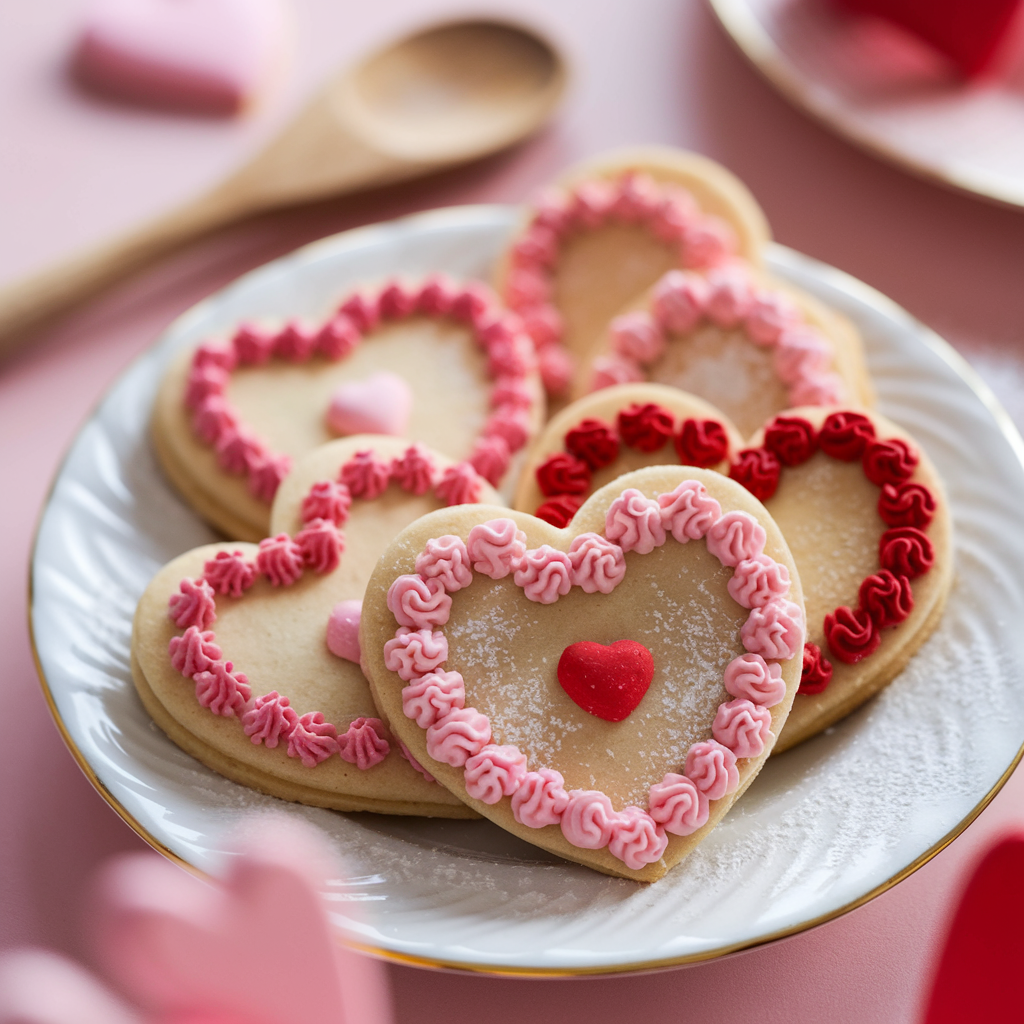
(608, 689)
(433, 360)
(618, 429)
(248, 657)
(867, 518)
(747, 343)
(606, 231)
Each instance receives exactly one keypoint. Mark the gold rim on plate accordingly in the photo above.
(749, 36)
(851, 286)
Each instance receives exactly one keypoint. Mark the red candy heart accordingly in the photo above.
(608, 682)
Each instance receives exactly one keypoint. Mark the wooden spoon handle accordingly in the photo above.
(30, 301)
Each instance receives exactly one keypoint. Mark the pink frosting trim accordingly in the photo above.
(636, 838)
(407, 754)
(688, 511)
(597, 565)
(415, 652)
(678, 805)
(270, 720)
(636, 336)
(755, 581)
(327, 499)
(455, 738)
(544, 574)
(414, 471)
(320, 544)
(496, 547)
(735, 537)
(222, 690)
(419, 603)
(229, 573)
(365, 475)
(459, 485)
(712, 769)
(742, 726)
(428, 698)
(775, 630)
(588, 819)
(761, 682)
(678, 301)
(494, 772)
(446, 559)
(363, 743)
(541, 799)
(193, 605)
(194, 651)
(312, 740)
(490, 458)
(266, 474)
(280, 560)
(634, 522)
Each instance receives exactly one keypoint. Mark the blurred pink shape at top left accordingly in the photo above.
(208, 57)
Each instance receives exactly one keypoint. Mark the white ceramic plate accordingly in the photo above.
(825, 827)
(888, 93)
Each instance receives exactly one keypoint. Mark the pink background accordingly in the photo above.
(74, 169)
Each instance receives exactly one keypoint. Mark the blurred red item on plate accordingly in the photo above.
(971, 33)
(980, 976)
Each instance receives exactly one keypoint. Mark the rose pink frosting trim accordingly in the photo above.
(446, 559)
(728, 297)
(419, 603)
(193, 605)
(363, 743)
(460, 736)
(216, 422)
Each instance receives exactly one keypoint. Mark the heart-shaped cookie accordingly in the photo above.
(751, 346)
(681, 562)
(614, 431)
(606, 232)
(236, 654)
(203, 56)
(231, 416)
(866, 516)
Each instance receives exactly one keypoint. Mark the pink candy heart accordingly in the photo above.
(205, 56)
(343, 630)
(379, 404)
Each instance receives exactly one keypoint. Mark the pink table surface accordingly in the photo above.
(73, 169)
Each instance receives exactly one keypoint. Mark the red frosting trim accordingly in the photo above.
(906, 551)
(645, 427)
(562, 473)
(791, 439)
(887, 598)
(817, 670)
(558, 511)
(906, 504)
(594, 442)
(889, 462)
(702, 443)
(758, 470)
(851, 634)
(844, 435)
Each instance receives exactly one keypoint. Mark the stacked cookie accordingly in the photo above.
(592, 622)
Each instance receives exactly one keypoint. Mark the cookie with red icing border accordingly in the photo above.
(598, 438)
(606, 231)
(867, 518)
(431, 360)
(247, 656)
(608, 689)
(749, 344)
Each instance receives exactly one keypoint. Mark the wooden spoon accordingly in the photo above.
(448, 94)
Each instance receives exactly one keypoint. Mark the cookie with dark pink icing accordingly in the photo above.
(607, 690)
(867, 518)
(433, 360)
(248, 656)
(602, 235)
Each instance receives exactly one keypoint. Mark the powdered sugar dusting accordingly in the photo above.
(673, 601)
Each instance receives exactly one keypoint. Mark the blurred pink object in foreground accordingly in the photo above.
(200, 56)
(255, 948)
(981, 974)
(973, 34)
